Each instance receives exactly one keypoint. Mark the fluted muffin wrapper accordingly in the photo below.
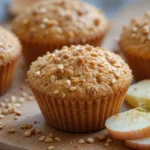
(139, 66)
(79, 116)
(32, 50)
(7, 72)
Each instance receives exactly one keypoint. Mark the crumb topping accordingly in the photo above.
(62, 20)
(135, 37)
(83, 74)
(9, 46)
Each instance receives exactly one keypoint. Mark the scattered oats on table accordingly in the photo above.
(42, 138)
(50, 148)
(81, 141)
(57, 139)
(48, 140)
(90, 140)
(11, 130)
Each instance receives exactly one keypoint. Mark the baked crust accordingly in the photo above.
(135, 38)
(79, 72)
(16, 6)
(10, 47)
(60, 20)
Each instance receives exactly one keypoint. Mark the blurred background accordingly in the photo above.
(110, 7)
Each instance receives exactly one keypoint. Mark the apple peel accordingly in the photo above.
(141, 144)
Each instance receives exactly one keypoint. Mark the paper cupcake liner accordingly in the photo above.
(77, 116)
(32, 50)
(139, 66)
(7, 72)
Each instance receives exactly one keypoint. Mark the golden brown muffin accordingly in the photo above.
(135, 44)
(10, 49)
(50, 25)
(79, 87)
(17, 6)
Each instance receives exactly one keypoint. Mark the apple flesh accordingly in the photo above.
(130, 125)
(141, 144)
(138, 94)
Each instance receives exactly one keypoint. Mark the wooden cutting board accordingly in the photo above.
(31, 113)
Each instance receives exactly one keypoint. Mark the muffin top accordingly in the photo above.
(59, 20)
(10, 46)
(135, 38)
(16, 6)
(79, 72)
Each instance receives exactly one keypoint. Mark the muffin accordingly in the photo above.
(50, 25)
(135, 44)
(16, 6)
(79, 87)
(10, 49)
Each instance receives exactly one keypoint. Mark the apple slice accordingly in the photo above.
(141, 144)
(130, 125)
(139, 94)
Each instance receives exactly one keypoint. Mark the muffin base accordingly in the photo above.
(77, 116)
(7, 72)
(139, 66)
(32, 50)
